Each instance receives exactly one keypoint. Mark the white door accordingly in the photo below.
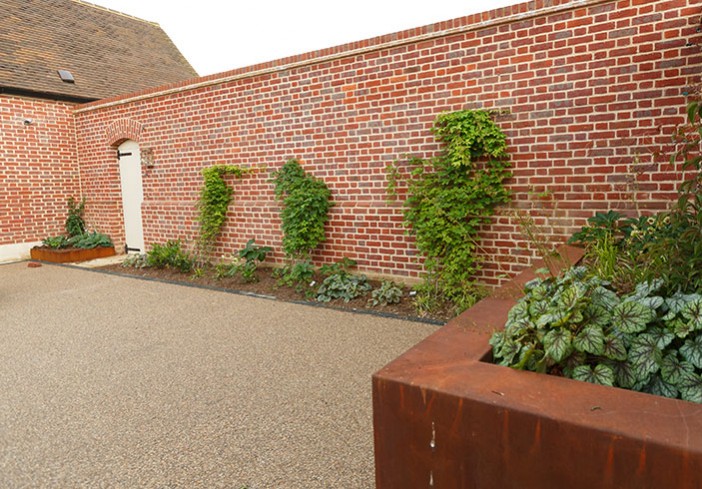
(132, 194)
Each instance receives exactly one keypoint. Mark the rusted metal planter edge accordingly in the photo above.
(444, 418)
(70, 255)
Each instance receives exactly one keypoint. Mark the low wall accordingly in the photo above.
(591, 91)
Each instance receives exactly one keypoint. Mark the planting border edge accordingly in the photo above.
(445, 417)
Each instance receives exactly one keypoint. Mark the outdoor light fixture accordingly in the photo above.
(28, 122)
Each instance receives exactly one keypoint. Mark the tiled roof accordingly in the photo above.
(108, 53)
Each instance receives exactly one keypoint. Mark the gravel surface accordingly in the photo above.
(109, 381)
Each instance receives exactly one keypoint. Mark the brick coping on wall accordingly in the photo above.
(474, 22)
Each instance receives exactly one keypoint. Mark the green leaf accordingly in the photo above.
(538, 309)
(602, 374)
(597, 315)
(661, 336)
(590, 340)
(645, 356)
(645, 289)
(604, 297)
(692, 312)
(624, 374)
(692, 351)
(571, 296)
(681, 328)
(691, 387)
(631, 317)
(673, 370)
(652, 302)
(558, 344)
(659, 387)
(614, 348)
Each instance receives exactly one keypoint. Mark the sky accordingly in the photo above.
(220, 35)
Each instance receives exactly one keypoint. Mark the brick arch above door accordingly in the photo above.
(122, 129)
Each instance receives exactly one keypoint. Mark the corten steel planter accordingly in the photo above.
(446, 418)
(70, 255)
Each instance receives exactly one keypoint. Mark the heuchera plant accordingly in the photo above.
(576, 326)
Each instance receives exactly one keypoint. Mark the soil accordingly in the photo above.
(267, 286)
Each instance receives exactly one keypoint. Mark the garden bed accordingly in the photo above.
(446, 417)
(267, 285)
(70, 255)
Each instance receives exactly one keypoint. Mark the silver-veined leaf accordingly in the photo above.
(661, 336)
(631, 317)
(597, 315)
(652, 302)
(691, 387)
(538, 309)
(601, 374)
(624, 374)
(519, 311)
(645, 356)
(681, 328)
(573, 361)
(604, 297)
(614, 348)
(645, 289)
(660, 387)
(692, 312)
(590, 340)
(508, 351)
(673, 370)
(571, 296)
(692, 351)
(558, 344)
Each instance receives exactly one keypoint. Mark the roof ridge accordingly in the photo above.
(100, 7)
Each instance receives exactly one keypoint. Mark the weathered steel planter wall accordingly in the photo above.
(445, 418)
(71, 255)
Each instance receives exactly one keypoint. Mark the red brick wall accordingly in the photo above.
(592, 88)
(38, 168)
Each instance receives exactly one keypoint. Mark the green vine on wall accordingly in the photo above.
(306, 202)
(449, 198)
(215, 198)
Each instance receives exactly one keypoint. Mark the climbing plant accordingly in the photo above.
(306, 202)
(449, 198)
(215, 198)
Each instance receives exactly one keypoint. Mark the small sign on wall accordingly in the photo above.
(147, 158)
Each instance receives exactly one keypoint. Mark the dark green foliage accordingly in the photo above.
(388, 293)
(297, 274)
(75, 225)
(340, 283)
(84, 240)
(170, 255)
(450, 198)
(306, 203)
(578, 327)
(215, 198)
(89, 240)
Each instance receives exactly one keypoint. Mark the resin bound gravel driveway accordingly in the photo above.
(108, 381)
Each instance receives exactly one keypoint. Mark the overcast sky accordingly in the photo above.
(220, 35)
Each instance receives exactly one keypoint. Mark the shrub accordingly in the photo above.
(170, 255)
(343, 286)
(298, 274)
(578, 327)
(75, 225)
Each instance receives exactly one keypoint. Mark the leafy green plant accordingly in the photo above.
(247, 263)
(388, 293)
(215, 198)
(89, 240)
(170, 255)
(344, 286)
(449, 198)
(578, 327)
(306, 204)
(75, 225)
(297, 274)
(55, 242)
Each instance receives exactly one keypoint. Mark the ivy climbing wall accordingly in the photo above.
(587, 92)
